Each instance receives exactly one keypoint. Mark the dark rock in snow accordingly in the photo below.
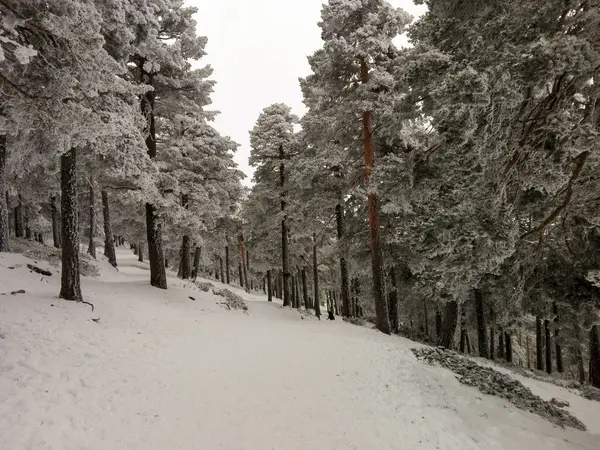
(492, 382)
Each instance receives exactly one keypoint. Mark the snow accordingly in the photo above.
(160, 371)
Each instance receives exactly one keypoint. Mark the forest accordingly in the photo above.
(443, 190)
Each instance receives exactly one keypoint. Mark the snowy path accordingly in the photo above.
(160, 371)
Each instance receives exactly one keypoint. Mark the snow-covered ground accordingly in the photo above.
(160, 371)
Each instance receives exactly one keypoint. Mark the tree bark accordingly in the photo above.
(482, 341)
(501, 344)
(241, 277)
(305, 289)
(508, 344)
(269, 286)
(557, 346)
(156, 255)
(382, 321)
(438, 326)
(140, 248)
(449, 324)
(4, 225)
(184, 262)
(548, 346)
(393, 301)
(539, 344)
(227, 273)
(284, 232)
(294, 299)
(55, 222)
(492, 334)
(19, 230)
(316, 278)
(92, 230)
(244, 255)
(197, 254)
(595, 356)
(339, 215)
(70, 286)
(109, 243)
(463, 330)
(426, 316)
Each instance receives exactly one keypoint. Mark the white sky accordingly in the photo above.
(258, 50)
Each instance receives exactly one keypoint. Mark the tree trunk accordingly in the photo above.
(156, 255)
(26, 217)
(482, 342)
(197, 254)
(595, 356)
(548, 346)
(305, 289)
(316, 278)
(393, 301)
(294, 299)
(449, 324)
(284, 232)
(244, 255)
(4, 225)
(382, 320)
(539, 343)
(438, 326)
(109, 243)
(508, 343)
(528, 352)
(339, 215)
(19, 230)
(227, 273)
(426, 316)
(70, 285)
(92, 231)
(492, 343)
(557, 346)
(140, 248)
(241, 277)
(501, 344)
(463, 330)
(55, 220)
(269, 286)
(492, 334)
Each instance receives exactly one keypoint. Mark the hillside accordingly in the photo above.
(158, 370)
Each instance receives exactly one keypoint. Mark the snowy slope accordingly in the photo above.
(160, 371)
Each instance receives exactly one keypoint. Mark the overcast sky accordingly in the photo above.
(258, 50)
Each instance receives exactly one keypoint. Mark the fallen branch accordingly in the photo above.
(38, 270)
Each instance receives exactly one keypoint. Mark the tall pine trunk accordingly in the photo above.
(393, 301)
(284, 232)
(508, 343)
(382, 320)
(339, 215)
(548, 346)
(227, 273)
(482, 341)
(197, 254)
(557, 346)
(184, 262)
(4, 225)
(109, 243)
(55, 222)
(244, 256)
(269, 286)
(316, 278)
(92, 230)
(449, 324)
(70, 286)
(156, 256)
(539, 344)
(305, 289)
(140, 249)
(19, 230)
(595, 356)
